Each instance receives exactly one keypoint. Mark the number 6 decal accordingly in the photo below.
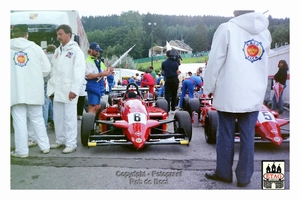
(136, 118)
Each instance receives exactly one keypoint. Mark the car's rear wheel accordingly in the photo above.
(185, 103)
(87, 127)
(210, 127)
(183, 123)
(162, 103)
(103, 106)
(194, 105)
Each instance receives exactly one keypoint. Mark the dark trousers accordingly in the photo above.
(171, 87)
(225, 145)
(80, 105)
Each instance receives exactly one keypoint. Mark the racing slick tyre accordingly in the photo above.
(185, 103)
(194, 105)
(162, 103)
(210, 127)
(183, 123)
(87, 127)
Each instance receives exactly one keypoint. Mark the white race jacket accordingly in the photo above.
(28, 65)
(237, 69)
(68, 69)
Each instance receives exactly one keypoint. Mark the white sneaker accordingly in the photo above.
(56, 146)
(69, 150)
(14, 154)
(32, 143)
(45, 151)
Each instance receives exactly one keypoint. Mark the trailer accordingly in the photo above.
(42, 26)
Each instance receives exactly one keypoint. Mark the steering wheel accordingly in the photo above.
(136, 87)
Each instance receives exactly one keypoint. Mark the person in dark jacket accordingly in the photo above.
(169, 68)
(280, 77)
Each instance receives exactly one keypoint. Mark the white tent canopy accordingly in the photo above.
(39, 17)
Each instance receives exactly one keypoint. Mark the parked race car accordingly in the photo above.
(133, 118)
(267, 128)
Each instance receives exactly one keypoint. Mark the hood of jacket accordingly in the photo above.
(253, 23)
(20, 44)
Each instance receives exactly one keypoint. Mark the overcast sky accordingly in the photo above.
(192, 7)
(276, 8)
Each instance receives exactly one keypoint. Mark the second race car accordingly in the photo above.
(267, 129)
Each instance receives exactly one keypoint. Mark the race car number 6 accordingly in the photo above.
(136, 118)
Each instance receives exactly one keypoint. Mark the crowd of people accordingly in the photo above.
(56, 82)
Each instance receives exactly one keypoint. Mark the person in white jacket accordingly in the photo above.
(67, 76)
(28, 66)
(237, 76)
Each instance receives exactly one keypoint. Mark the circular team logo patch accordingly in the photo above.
(20, 58)
(253, 50)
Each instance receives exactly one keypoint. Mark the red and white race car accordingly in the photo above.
(267, 128)
(131, 119)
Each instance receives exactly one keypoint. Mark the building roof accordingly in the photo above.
(180, 44)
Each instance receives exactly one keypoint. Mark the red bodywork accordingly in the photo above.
(135, 119)
(267, 128)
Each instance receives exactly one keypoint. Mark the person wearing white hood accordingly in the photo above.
(237, 76)
(67, 76)
(29, 64)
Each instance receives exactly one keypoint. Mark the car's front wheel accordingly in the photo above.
(210, 127)
(183, 124)
(87, 127)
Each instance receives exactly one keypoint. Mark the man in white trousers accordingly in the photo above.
(29, 65)
(67, 76)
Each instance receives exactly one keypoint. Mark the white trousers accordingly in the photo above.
(65, 122)
(20, 112)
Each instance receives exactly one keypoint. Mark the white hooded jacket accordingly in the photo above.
(28, 65)
(237, 69)
(68, 71)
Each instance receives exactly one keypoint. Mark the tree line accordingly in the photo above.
(117, 33)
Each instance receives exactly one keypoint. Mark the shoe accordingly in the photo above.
(213, 176)
(45, 151)
(242, 184)
(56, 146)
(14, 154)
(32, 143)
(69, 150)
(280, 112)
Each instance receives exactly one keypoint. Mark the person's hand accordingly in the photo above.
(210, 95)
(105, 73)
(72, 96)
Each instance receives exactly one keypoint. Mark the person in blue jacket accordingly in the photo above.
(189, 85)
(94, 74)
(111, 81)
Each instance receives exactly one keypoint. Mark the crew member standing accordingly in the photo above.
(95, 77)
(67, 77)
(29, 64)
(236, 75)
(170, 70)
